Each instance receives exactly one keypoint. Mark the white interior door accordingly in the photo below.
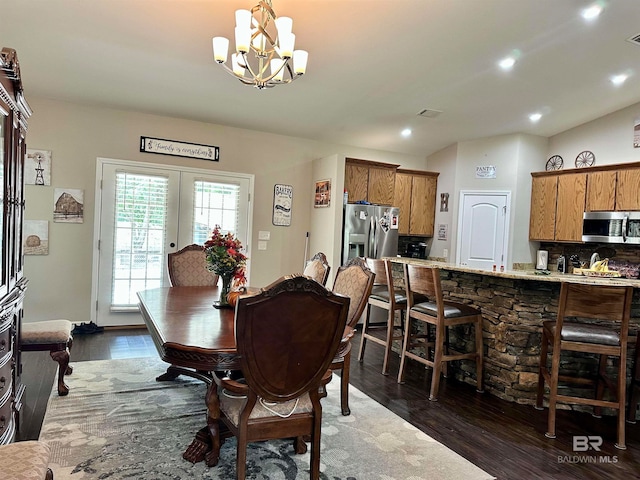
(144, 212)
(483, 228)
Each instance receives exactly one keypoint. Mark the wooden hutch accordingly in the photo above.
(14, 114)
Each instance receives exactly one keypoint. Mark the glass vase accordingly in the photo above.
(223, 301)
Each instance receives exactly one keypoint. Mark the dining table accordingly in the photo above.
(196, 339)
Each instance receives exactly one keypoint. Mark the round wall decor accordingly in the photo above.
(554, 163)
(585, 159)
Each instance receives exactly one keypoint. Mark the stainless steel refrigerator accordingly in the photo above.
(369, 231)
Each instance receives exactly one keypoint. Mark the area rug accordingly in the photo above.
(119, 423)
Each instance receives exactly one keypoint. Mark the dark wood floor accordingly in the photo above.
(505, 439)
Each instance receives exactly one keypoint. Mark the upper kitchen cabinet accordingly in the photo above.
(628, 189)
(372, 182)
(570, 207)
(544, 196)
(415, 194)
(557, 207)
(601, 191)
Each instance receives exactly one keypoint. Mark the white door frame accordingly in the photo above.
(497, 193)
(98, 212)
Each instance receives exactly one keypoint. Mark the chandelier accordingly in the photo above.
(264, 48)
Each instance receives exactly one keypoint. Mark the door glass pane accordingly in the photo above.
(139, 237)
(214, 204)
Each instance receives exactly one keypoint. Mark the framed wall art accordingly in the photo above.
(68, 205)
(36, 237)
(37, 167)
(636, 133)
(282, 202)
(323, 194)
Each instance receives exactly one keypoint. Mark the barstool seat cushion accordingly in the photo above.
(46, 331)
(451, 310)
(25, 460)
(381, 293)
(585, 333)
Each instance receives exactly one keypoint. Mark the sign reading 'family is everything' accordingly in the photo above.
(179, 149)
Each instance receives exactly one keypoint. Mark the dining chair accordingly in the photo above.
(387, 296)
(286, 338)
(426, 305)
(188, 268)
(26, 460)
(353, 280)
(599, 323)
(318, 268)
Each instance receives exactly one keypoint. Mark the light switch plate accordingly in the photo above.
(264, 235)
(262, 245)
(445, 253)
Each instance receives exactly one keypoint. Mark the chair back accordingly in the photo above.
(318, 268)
(287, 336)
(424, 281)
(602, 302)
(188, 268)
(379, 268)
(354, 280)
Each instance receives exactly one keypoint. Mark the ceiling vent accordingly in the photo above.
(429, 113)
(634, 39)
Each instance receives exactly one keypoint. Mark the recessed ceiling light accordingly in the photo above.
(592, 12)
(619, 79)
(507, 63)
(534, 117)
(406, 132)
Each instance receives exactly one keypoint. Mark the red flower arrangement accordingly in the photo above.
(224, 257)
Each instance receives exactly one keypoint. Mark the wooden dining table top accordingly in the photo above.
(186, 328)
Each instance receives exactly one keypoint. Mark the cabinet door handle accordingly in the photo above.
(3, 422)
(3, 345)
(3, 382)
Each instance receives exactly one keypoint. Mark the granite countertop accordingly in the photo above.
(523, 274)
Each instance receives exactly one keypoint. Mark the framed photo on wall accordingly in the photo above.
(323, 194)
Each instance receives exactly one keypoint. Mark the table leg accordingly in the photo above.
(206, 445)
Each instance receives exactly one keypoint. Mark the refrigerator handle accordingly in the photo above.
(372, 238)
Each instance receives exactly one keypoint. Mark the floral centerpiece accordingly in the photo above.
(225, 259)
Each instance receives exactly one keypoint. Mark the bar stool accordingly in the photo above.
(609, 304)
(425, 282)
(386, 296)
(634, 388)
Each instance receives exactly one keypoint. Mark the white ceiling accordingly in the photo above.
(373, 65)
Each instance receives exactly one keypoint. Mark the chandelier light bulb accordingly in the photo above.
(243, 18)
(300, 61)
(238, 70)
(284, 24)
(243, 39)
(220, 49)
(287, 42)
(277, 69)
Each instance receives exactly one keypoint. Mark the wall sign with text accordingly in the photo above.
(179, 149)
(282, 201)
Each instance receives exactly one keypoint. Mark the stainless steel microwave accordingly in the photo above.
(611, 227)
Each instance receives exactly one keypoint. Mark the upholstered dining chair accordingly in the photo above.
(426, 305)
(318, 268)
(387, 296)
(353, 280)
(188, 268)
(286, 337)
(598, 324)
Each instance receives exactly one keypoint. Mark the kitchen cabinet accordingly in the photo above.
(14, 113)
(415, 194)
(372, 182)
(601, 191)
(557, 207)
(542, 219)
(628, 189)
(570, 207)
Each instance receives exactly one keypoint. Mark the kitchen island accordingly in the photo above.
(514, 304)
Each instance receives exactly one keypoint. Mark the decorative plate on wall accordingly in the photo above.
(585, 159)
(554, 163)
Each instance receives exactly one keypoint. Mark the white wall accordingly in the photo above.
(610, 138)
(60, 283)
(444, 162)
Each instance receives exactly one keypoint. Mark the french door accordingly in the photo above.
(144, 212)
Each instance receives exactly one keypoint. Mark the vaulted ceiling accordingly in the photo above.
(373, 65)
